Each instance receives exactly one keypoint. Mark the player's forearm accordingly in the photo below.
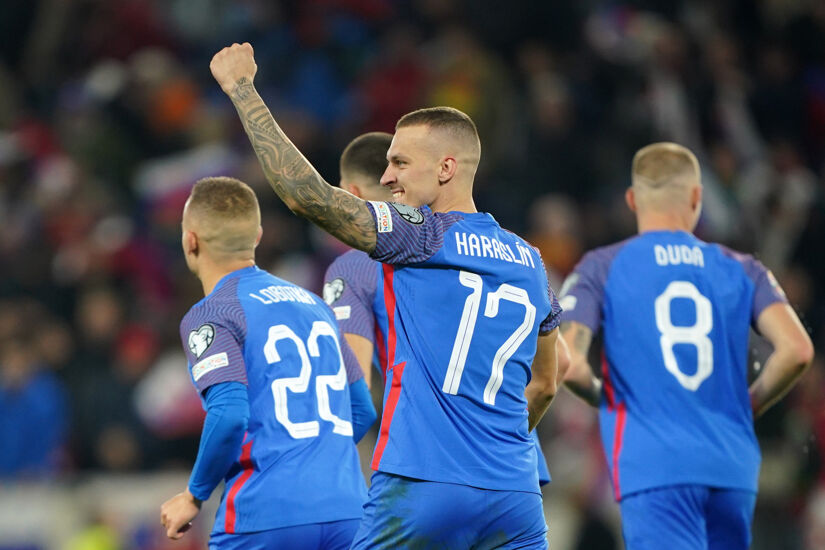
(781, 371)
(295, 180)
(539, 396)
(579, 379)
(543, 382)
(223, 431)
(581, 383)
(363, 411)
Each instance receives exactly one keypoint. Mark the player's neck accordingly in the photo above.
(663, 222)
(454, 204)
(210, 273)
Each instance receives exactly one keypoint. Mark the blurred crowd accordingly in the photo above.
(108, 114)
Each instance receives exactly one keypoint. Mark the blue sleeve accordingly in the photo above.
(363, 411)
(227, 413)
(349, 289)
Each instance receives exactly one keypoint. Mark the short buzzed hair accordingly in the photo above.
(660, 164)
(452, 120)
(366, 156)
(226, 213)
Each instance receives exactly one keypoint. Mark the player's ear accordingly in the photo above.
(260, 234)
(446, 169)
(352, 188)
(190, 243)
(696, 198)
(630, 199)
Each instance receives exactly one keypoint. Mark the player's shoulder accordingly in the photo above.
(750, 265)
(515, 236)
(352, 260)
(602, 257)
(221, 308)
(732, 254)
(221, 304)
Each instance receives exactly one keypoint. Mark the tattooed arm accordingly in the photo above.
(579, 378)
(293, 178)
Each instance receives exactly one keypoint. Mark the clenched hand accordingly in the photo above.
(232, 64)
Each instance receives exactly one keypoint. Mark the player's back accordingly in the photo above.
(299, 463)
(461, 321)
(676, 317)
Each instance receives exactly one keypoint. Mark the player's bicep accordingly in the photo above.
(780, 325)
(582, 294)
(351, 364)
(545, 363)
(362, 349)
(215, 356)
(347, 292)
(407, 235)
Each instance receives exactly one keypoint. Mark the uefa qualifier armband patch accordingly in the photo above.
(383, 218)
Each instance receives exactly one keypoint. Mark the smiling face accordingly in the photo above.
(412, 173)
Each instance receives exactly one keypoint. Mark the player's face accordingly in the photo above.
(413, 167)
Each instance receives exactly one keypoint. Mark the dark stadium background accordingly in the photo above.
(108, 113)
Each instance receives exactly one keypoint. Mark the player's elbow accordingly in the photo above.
(803, 352)
(563, 360)
(544, 386)
(295, 206)
(370, 418)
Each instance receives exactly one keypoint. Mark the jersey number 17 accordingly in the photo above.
(466, 327)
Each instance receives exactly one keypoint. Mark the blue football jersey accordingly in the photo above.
(298, 462)
(676, 314)
(350, 288)
(459, 303)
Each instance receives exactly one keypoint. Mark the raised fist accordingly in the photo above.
(232, 64)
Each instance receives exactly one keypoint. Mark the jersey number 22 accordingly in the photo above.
(300, 383)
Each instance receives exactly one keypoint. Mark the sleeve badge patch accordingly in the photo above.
(200, 339)
(333, 290)
(209, 364)
(410, 214)
(382, 216)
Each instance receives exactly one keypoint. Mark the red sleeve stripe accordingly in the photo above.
(237, 485)
(618, 433)
(396, 371)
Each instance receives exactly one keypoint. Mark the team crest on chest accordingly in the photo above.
(333, 290)
(200, 339)
(412, 215)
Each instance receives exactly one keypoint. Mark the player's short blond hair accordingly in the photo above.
(662, 164)
(457, 124)
(225, 214)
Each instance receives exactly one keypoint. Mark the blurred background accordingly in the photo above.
(108, 114)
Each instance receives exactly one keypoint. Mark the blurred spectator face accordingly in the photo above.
(724, 163)
(16, 364)
(99, 315)
(54, 342)
(551, 103)
(117, 449)
(412, 172)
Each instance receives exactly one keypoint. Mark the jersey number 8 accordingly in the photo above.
(300, 383)
(695, 335)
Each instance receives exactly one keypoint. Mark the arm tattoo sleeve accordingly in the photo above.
(582, 336)
(295, 180)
